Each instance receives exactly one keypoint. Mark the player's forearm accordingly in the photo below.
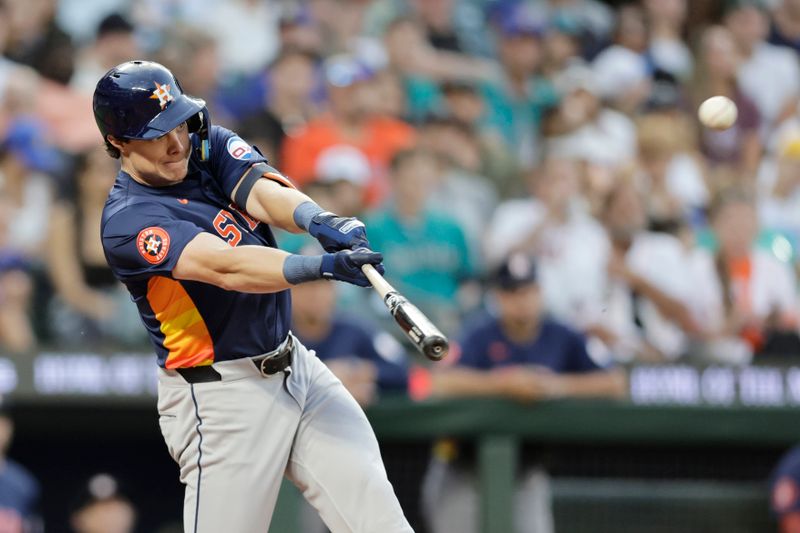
(252, 269)
(599, 384)
(274, 204)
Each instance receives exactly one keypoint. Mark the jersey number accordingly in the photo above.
(225, 225)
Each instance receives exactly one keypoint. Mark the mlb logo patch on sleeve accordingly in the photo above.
(153, 244)
(239, 149)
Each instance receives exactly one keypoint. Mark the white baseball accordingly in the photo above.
(718, 112)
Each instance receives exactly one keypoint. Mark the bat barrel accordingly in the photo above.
(435, 347)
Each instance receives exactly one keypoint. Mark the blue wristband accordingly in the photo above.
(301, 268)
(304, 212)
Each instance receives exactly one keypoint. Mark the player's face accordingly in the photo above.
(158, 162)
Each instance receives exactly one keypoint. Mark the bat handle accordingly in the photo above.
(381, 285)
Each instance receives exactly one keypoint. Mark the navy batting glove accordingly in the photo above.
(338, 233)
(345, 265)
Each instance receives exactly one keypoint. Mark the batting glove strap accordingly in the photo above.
(336, 233)
(345, 265)
(304, 213)
(300, 268)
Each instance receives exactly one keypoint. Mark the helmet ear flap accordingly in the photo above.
(198, 123)
(194, 123)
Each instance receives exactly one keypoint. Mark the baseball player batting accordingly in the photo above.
(242, 403)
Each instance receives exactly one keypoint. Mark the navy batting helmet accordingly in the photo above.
(143, 100)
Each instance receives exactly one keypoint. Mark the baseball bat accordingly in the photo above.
(421, 331)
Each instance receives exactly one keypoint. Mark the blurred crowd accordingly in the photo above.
(532, 170)
(462, 132)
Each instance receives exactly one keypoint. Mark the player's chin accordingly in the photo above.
(175, 171)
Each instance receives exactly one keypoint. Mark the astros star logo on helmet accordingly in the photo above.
(162, 94)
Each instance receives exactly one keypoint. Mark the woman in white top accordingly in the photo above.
(745, 295)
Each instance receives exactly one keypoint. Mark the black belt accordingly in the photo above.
(267, 364)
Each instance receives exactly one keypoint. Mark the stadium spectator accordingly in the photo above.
(368, 361)
(784, 485)
(102, 508)
(347, 122)
(288, 102)
(426, 254)
(779, 189)
(89, 305)
(421, 66)
(666, 20)
(388, 98)
(739, 147)
(743, 291)
(345, 172)
(768, 74)
(16, 290)
(622, 72)
(299, 30)
(516, 353)
(246, 32)
(553, 226)
(464, 102)
(581, 127)
(19, 489)
(342, 29)
(518, 95)
(561, 46)
(35, 39)
(193, 55)
(646, 313)
(671, 170)
(785, 24)
(114, 43)
(459, 190)
(593, 20)
(26, 159)
(453, 26)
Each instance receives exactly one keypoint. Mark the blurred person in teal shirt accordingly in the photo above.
(427, 253)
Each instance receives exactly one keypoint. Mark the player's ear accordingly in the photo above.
(119, 144)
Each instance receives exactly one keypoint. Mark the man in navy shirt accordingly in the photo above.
(187, 229)
(519, 353)
(19, 490)
(367, 360)
(785, 491)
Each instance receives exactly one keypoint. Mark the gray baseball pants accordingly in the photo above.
(235, 439)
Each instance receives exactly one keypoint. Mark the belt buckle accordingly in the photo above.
(287, 349)
(262, 365)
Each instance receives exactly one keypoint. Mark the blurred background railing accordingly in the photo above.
(676, 461)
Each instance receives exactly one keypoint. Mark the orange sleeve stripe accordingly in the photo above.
(186, 336)
(283, 180)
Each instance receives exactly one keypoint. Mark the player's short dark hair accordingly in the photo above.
(112, 150)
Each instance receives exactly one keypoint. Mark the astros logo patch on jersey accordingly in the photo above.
(162, 94)
(239, 149)
(153, 244)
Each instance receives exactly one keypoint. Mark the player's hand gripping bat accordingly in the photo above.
(425, 336)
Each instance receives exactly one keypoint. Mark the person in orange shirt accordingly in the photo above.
(349, 121)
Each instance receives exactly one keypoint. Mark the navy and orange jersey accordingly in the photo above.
(351, 337)
(483, 345)
(144, 231)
